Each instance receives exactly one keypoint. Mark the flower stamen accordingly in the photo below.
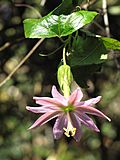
(70, 130)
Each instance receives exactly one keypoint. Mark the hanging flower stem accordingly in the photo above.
(64, 56)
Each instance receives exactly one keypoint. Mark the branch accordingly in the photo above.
(105, 17)
(22, 62)
(9, 44)
(6, 45)
(87, 4)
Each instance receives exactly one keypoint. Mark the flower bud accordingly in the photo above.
(65, 78)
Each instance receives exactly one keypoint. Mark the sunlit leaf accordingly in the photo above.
(57, 26)
(111, 43)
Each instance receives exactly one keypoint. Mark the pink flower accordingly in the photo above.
(70, 113)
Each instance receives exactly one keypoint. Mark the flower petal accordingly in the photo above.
(91, 101)
(56, 94)
(77, 124)
(92, 111)
(60, 123)
(87, 121)
(47, 101)
(76, 96)
(42, 109)
(45, 118)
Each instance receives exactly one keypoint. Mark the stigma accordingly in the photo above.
(70, 130)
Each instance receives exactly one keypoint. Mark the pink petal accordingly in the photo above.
(45, 118)
(60, 123)
(92, 101)
(76, 96)
(56, 94)
(77, 124)
(48, 101)
(87, 121)
(93, 111)
(42, 109)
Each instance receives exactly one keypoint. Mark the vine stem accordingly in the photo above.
(22, 61)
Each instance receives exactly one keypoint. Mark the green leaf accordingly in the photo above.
(111, 43)
(87, 51)
(81, 74)
(57, 26)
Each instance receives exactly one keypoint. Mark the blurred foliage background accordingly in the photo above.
(36, 77)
